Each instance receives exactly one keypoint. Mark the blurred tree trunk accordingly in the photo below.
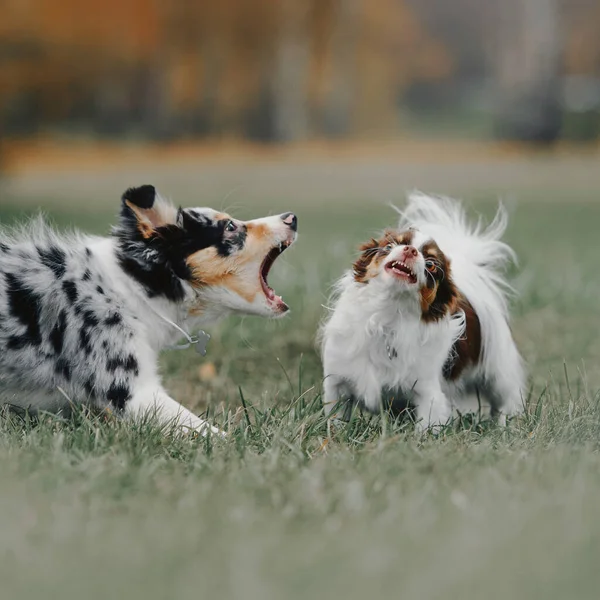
(213, 52)
(528, 70)
(156, 112)
(339, 100)
(289, 82)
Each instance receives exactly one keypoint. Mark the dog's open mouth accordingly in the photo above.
(273, 299)
(401, 271)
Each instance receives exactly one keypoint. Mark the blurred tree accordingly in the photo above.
(268, 69)
(582, 64)
(289, 79)
(528, 70)
(342, 81)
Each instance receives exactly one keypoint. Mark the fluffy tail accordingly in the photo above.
(447, 220)
(478, 259)
(476, 252)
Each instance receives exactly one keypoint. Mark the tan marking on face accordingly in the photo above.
(427, 297)
(259, 231)
(238, 272)
(373, 254)
(149, 219)
(209, 269)
(222, 217)
(431, 250)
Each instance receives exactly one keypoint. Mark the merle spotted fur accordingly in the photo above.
(72, 325)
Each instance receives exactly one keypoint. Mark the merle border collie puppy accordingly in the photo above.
(422, 320)
(83, 319)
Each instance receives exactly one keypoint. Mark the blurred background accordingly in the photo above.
(328, 99)
(331, 109)
(291, 70)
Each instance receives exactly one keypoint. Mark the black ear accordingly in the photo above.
(142, 197)
(145, 209)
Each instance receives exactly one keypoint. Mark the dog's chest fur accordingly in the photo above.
(375, 346)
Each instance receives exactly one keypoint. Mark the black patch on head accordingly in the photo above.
(25, 305)
(88, 252)
(4, 247)
(158, 258)
(85, 340)
(232, 241)
(57, 335)
(70, 290)
(100, 290)
(127, 363)
(113, 319)
(55, 259)
(87, 275)
(118, 394)
(142, 196)
(200, 232)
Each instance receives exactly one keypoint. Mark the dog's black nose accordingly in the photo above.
(291, 220)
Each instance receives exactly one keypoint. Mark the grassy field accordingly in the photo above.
(286, 508)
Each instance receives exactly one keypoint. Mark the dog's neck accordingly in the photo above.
(380, 307)
(177, 324)
(148, 264)
(165, 321)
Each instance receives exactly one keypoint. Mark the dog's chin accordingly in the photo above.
(247, 292)
(271, 308)
(398, 285)
(279, 312)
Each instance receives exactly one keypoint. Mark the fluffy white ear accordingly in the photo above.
(148, 208)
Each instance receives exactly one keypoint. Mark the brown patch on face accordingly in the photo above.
(466, 350)
(238, 272)
(259, 231)
(374, 252)
(439, 295)
(210, 269)
(149, 219)
(230, 281)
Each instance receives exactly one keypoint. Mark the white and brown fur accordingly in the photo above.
(83, 319)
(422, 320)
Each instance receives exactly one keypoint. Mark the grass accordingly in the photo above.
(289, 508)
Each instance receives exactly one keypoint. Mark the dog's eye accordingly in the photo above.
(389, 247)
(230, 226)
(430, 266)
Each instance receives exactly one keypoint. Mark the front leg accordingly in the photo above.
(154, 401)
(337, 395)
(432, 407)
